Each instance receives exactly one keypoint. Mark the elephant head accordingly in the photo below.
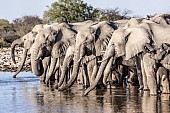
(54, 41)
(160, 51)
(27, 41)
(43, 40)
(161, 54)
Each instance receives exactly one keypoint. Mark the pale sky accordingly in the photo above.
(12, 9)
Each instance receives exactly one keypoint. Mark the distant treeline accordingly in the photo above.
(61, 11)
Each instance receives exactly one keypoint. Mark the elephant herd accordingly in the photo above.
(100, 53)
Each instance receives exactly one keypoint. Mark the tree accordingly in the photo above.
(114, 14)
(18, 28)
(4, 25)
(70, 11)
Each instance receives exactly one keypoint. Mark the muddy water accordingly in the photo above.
(26, 94)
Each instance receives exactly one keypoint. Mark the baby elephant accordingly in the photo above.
(162, 80)
(162, 57)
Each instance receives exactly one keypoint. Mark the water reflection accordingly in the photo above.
(26, 94)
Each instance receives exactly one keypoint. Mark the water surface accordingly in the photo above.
(26, 94)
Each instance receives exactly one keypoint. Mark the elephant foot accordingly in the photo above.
(153, 94)
(165, 92)
(145, 88)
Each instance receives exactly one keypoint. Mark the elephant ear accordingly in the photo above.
(59, 50)
(136, 41)
(103, 35)
(65, 37)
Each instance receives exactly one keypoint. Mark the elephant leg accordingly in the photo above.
(144, 78)
(158, 77)
(85, 76)
(80, 78)
(94, 73)
(51, 70)
(45, 62)
(163, 79)
(57, 70)
(90, 71)
(165, 84)
(149, 66)
(139, 72)
(120, 73)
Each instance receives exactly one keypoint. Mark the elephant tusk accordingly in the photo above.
(38, 58)
(79, 60)
(164, 77)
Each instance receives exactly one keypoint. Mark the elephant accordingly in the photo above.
(162, 77)
(27, 41)
(54, 40)
(161, 55)
(89, 40)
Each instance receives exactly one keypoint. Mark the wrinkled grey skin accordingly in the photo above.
(90, 40)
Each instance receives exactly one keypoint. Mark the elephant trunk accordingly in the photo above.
(66, 62)
(109, 53)
(22, 63)
(36, 65)
(99, 75)
(13, 45)
(107, 70)
(75, 70)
